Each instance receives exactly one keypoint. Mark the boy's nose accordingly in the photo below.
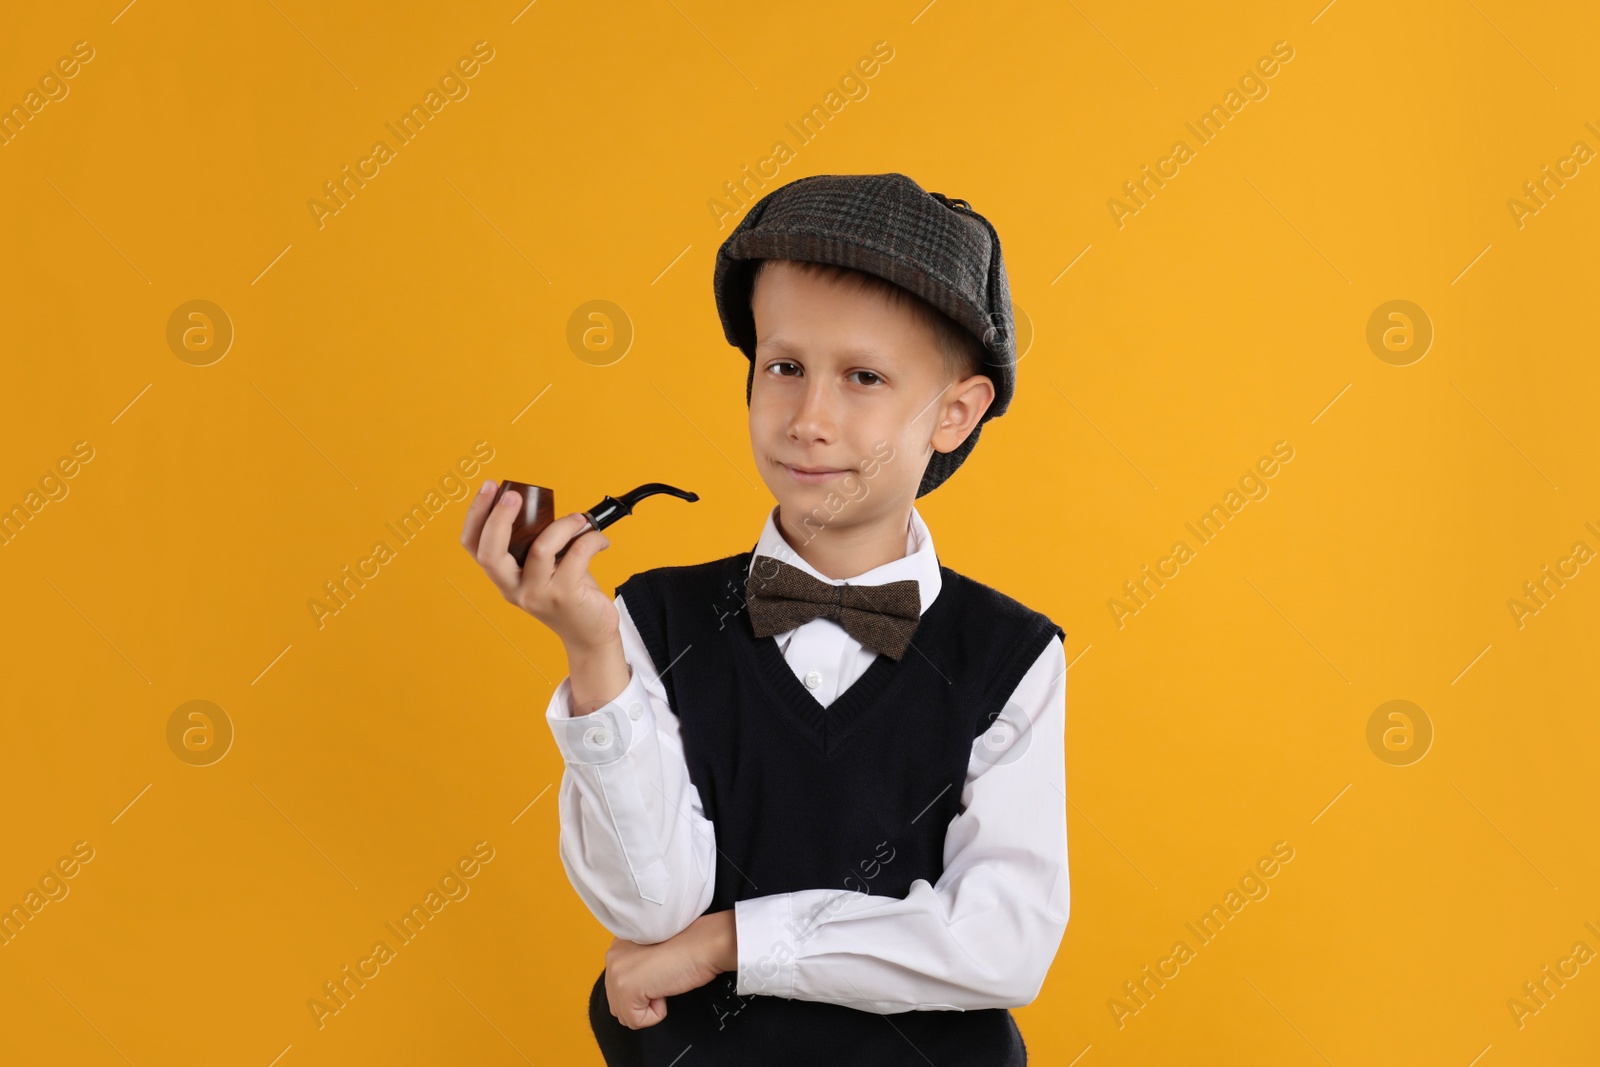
(815, 417)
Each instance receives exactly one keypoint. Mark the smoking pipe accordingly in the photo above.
(539, 510)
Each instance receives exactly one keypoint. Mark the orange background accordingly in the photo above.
(431, 312)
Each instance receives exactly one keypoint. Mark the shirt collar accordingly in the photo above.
(920, 561)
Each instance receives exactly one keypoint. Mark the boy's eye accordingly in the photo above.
(779, 365)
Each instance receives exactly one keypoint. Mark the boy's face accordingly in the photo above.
(856, 387)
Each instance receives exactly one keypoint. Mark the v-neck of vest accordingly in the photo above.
(825, 726)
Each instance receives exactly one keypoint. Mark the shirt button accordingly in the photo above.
(813, 679)
(597, 736)
(635, 710)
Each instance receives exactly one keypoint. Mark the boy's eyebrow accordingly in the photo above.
(783, 347)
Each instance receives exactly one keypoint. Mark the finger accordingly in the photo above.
(576, 562)
(472, 525)
(540, 564)
(636, 1011)
(496, 535)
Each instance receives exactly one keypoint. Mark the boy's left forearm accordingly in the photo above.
(710, 943)
(721, 940)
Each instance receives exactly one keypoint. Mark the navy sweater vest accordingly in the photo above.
(855, 796)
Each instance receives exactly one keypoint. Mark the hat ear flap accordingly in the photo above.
(1002, 331)
(941, 465)
(739, 285)
(732, 278)
(999, 335)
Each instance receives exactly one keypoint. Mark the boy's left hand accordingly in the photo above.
(639, 978)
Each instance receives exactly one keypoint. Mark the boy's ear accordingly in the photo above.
(964, 404)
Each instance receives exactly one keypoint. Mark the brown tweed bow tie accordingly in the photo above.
(882, 617)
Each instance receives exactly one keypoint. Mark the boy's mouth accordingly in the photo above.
(811, 475)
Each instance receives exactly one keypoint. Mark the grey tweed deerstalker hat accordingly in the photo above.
(935, 246)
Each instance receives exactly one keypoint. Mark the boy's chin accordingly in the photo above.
(798, 501)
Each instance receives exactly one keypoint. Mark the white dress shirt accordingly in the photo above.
(640, 852)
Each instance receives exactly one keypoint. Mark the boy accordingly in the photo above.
(846, 844)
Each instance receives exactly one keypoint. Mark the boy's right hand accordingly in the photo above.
(562, 595)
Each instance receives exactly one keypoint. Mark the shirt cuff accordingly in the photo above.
(768, 944)
(606, 734)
